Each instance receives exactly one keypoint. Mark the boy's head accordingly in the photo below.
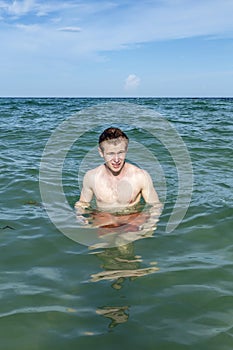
(113, 145)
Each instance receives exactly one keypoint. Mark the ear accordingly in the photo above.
(100, 152)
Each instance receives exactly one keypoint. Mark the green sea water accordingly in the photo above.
(167, 290)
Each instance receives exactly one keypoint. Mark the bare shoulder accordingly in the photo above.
(138, 175)
(133, 169)
(90, 174)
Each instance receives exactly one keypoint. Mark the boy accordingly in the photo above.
(116, 184)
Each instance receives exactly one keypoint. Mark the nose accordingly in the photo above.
(116, 157)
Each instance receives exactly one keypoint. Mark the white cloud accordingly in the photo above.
(70, 29)
(19, 8)
(109, 26)
(28, 28)
(132, 82)
(112, 26)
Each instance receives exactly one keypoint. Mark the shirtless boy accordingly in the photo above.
(116, 184)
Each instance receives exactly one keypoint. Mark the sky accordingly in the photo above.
(110, 48)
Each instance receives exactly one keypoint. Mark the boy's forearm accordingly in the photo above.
(154, 212)
(156, 208)
(80, 211)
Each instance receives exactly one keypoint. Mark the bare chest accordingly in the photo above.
(116, 192)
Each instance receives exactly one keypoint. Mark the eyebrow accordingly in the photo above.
(116, 152)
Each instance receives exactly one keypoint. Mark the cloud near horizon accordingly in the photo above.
(132, 82)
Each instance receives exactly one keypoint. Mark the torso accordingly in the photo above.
(116, 192)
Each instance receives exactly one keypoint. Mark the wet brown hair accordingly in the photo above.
(112, 134)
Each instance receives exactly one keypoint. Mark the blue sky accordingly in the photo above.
(116, 48)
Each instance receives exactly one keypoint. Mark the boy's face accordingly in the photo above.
(114, 154)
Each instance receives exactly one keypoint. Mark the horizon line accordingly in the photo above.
(118, 97)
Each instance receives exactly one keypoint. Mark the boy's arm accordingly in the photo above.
(148, 191)
(151, 197)
(86, 195)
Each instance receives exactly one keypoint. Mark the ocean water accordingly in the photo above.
(168, 289)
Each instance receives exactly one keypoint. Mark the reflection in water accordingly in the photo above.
(118, 259)
(119, 263)
(116, 314)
